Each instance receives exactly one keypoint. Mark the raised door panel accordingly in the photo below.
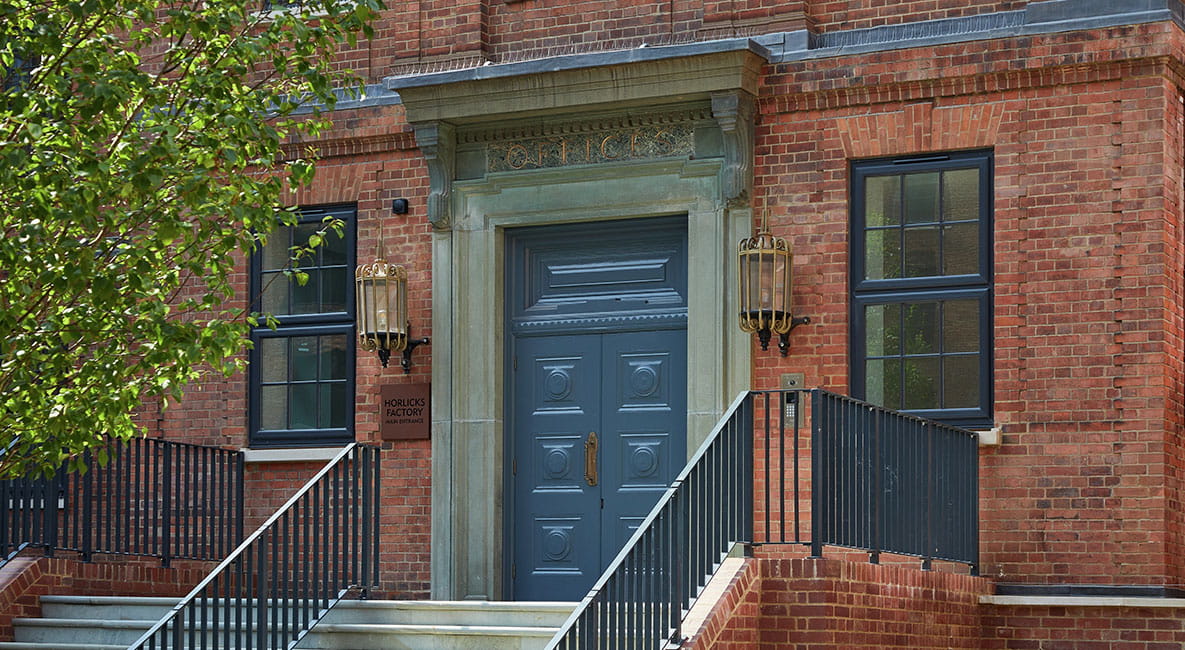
(644, 443)
(557, 524)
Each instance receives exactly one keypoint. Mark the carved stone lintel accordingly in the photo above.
(734, 112)
(438, 142)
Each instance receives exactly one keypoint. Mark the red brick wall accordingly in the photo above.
(1082, 356)
(1083, 628)
(835, 15)
(24, 580)
(823, 603)
(734, 621)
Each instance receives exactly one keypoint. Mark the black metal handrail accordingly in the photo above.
(153, 497)
(883, 481)
(728, 494)
(282, 579)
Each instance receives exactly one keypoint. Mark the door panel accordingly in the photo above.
(644, 420)
(557, 519)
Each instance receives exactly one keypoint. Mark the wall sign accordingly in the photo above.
(405, 411)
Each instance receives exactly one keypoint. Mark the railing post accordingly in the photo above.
(928, 506)
(794, 404)
(240, 479)
(974, 541)
(678, 555)
(54, 487)
(87, 549)
(877, 484)
(818, 452)
(747, 432)
(166, 509)
(261, 619)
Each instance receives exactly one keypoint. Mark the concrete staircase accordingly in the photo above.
(112, 623)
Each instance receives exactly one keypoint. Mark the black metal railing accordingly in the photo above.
(887, 482)
(877, 478)
(155, 498)
(282, 579)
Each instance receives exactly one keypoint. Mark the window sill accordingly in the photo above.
(294, 455)
(988, 437)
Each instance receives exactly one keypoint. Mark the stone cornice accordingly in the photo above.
(563, 85)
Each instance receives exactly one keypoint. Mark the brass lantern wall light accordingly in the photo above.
(765, 274)
(383, 326)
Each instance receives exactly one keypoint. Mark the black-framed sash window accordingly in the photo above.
(302, 372)
(922, 285)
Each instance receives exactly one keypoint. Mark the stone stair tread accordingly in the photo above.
(411, 628)
(109, 600)
(83, 622)
(363, 624)
(34, 645)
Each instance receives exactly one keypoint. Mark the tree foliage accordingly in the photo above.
(140, 157)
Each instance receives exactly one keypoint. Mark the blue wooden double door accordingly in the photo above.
(597, 394)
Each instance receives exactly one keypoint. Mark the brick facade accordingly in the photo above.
(1086, 128)
(813, 604)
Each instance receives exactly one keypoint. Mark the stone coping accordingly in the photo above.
(293, 455)
(1084, 601)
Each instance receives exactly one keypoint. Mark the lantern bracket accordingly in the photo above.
(412, 344)
(784, 339)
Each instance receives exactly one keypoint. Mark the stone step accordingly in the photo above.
(108, 623)
(460, 612)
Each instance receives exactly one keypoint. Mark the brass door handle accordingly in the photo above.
(590, 458)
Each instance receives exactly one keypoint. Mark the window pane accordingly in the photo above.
(883, 382)
(960, 195)
(333, 356)
(882, 254)
(960, 382)
(275, 252)
(921, 382)
(304, 298)
(301, 238)
(921, 197)
(882, 330)
(304, 358)
(333, 405)
(960, 326)
(334, 285)
(921, 328)
(304, 406)
(960, 249)
(882, 201)
(333, 251)
(273, 357)
(273, 407)
(921, 251)
(275, 293)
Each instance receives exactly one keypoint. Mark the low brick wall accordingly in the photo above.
(810, 604)
(24, 580)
